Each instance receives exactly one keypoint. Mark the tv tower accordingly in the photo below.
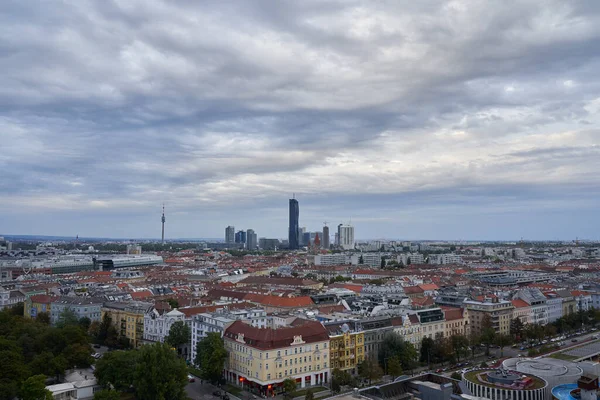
(163, 224)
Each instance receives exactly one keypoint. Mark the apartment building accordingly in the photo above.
(347, 345)
(432, 322)
(261, 359)
(409, 328)
(83, 307)
(456, 321)
(128, 319)
(500, 312)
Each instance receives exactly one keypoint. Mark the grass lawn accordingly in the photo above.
(472, 376)
(302, 392)
(562, 356)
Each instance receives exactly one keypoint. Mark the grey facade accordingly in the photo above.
(83, 307)
(294, 226)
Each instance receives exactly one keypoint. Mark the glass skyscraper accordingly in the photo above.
(294, 228)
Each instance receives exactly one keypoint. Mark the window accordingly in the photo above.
(324, 345)
(267, 355)
(316, 347)
(268, 376)
(296, 350)
(286, 363)
(278, 353)
(286, 352)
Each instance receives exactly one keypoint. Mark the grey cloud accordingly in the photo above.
(197, 103)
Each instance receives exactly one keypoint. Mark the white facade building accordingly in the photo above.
(346, 236)
(332, 259)
(415, 258)
(449, 258)
(157, 326)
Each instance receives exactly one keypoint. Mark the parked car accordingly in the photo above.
(225, 396)
(191, 378)
(96, 346)
(96, 355)
(574, 340)
(217, 393)
(439, 370)
(594, 336)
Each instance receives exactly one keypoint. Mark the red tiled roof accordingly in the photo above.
(266, 339)
(302, 301)
(422, 301)
(144, 294)
(452, 313)
(42, 298)
(413, 290)
(518, 303)
(429, 286)
(579, 293)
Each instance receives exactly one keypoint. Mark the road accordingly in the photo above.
(198, 391)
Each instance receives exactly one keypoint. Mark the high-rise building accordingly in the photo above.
(240, 237)
(230, 234)
(251, 239)
(325, 237)
(346, 236)
(301, 241)
(294, 227)
(306, 239)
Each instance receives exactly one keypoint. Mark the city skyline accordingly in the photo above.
(434, 120)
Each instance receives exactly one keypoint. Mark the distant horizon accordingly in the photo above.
(215, 239)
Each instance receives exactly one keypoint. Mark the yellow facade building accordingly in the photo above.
(347, 344)
(260, 359)
(128, 319)
(36, 304)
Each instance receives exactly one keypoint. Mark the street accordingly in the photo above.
(197, 391)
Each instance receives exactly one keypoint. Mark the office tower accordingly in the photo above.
(163, 225)
(251, 239)
(306, 239)
(301, 236)
(240, 237)
(294, 228)
(346, 236)
(230, 234)
(325, 237)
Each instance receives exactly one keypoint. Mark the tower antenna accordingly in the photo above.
(163, 224)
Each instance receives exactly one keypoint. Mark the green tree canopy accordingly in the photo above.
(394, 345)
(289, 387)
(107, 394)
(179, 334)
(116, 369)
(211, 356)
(394, 367)
(309, 395)
(43, 317)
(503, 340)
(369, 369)
(159, 373)
(34, 388)
(67, 317)
(174, 303)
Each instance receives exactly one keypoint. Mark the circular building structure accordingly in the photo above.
(554, 371)
(504, 384)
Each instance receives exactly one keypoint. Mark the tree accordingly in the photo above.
(107, 394)
(460, 344)
(159, 373)
(361, 260)
(179, 334)
(103, 328)
(211, 356)
(335, 386)
(503, 340)
(174, 303)
(34, 388)
(516, 328)
(85, 323)
(488, 334)
(483, 365)
(474, 341)
(289, 387)
(455, 375)
(382, 262)
(43, 318)
(394, 367)
(369, 369)
(309, 395)
(78, 355)
(427, 350)
(394, 345)
(14, 372)
(116, 369)
(66, 318)
(341, 377)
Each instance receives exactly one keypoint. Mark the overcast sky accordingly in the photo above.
(413, 119)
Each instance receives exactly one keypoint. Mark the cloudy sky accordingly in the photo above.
(420, 119)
